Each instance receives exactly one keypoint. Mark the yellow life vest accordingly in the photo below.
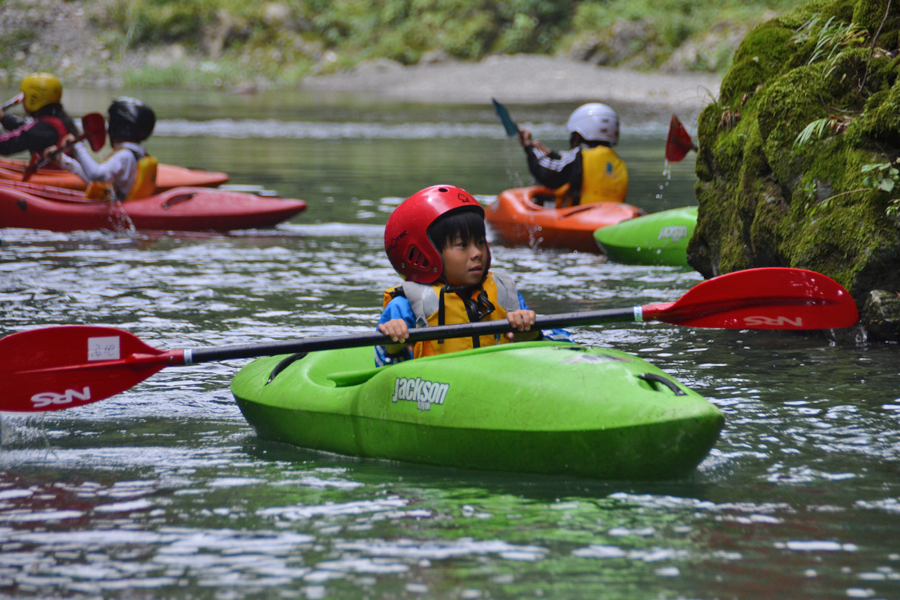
(100, 190)
(425, 302)
(604, 178)
(144, 183)
(145, 180)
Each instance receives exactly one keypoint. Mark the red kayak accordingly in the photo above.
(31, 206)
(518, 217)
(167, 176)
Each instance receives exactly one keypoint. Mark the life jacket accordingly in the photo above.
(61, 132)
(438, 304)
(604, 178)
(144, 182)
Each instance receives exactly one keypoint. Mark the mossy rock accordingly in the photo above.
(882, 314)
(809, 110)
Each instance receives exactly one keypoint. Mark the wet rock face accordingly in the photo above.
(881, 313)
(798, 161)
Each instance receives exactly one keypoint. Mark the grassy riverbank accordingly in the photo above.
(207, 43)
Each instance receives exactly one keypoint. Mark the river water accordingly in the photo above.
(164, 491)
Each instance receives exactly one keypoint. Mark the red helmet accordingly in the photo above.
(406, 240)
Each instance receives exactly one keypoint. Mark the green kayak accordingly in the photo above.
(655, 239)
(536, 407)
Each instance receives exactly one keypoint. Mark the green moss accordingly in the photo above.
(882, 74)
(800, 15)
(755, 164)
(879, 125)
(870, 14)
(766, 237)
(761, 55)
(789, 104)
(766, 200)
(706, 129)
(841, 241)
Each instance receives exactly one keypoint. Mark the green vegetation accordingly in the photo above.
(798, 156)
(283, 40)
(12, 43)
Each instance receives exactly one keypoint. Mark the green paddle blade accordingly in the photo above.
(508, 124)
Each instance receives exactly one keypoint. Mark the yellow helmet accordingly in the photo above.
(40, 89)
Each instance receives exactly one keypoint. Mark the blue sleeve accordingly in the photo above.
(555, 335)
(398, 308)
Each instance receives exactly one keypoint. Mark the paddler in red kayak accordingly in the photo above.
(129, 172)
(49, 123)
(436, 241)
(590, 171)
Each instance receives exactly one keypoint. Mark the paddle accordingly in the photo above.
(511, 128)
(93, 129)
(53, 368)
(678, 142)
(13, 101)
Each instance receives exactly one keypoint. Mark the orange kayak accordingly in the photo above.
(518, 217)
(30, 206)
(167, 176)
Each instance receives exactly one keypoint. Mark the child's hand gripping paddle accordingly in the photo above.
(94, 131)
(53, 368)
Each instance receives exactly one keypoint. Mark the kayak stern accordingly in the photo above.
(655, 239)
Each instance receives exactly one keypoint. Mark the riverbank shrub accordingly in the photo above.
(319, 36)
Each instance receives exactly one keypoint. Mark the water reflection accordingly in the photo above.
(165, 491)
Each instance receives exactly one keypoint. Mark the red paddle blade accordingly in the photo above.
(94, 128)
(62, 367)
(769, 298)
(679, 142)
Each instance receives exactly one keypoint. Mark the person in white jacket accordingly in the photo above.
(129, 172)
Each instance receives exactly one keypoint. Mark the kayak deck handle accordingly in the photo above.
(284, 364)
(653, 377)
(177, 200)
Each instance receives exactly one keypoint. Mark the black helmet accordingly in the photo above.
(130, 120)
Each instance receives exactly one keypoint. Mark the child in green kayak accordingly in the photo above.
(436, 241)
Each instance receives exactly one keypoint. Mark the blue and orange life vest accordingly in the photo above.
(439, 304)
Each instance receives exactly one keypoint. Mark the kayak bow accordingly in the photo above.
(536, 407)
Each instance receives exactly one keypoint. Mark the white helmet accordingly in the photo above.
(595, 122)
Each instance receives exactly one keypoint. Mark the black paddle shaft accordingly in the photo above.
(591, 317)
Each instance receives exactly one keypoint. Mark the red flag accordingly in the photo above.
(679, 142)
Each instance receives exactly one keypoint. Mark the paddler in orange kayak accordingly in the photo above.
(129, 172)
(49, 123)
(590, 171)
